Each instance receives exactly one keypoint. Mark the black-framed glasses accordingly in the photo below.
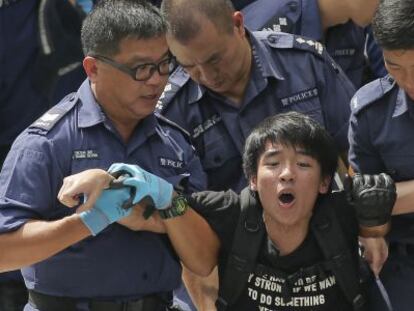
(142, 72)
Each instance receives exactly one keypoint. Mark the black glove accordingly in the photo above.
(373, 197)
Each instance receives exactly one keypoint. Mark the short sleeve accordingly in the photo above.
(221, 210)
(28, 183)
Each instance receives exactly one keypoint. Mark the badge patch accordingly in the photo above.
(301, 96)
(201, 128)
(165, 162)
(279, 24)
(85, 154)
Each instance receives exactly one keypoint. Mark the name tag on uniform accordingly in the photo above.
(85, 154)
(344, 52)
(165, 162)
(201, 128)
(301, 96)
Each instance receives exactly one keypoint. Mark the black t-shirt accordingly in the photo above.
(298, 281)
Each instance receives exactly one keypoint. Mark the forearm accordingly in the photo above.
(405, 198)
(39, 240)
(195, 242)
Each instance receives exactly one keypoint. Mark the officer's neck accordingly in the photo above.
(286, 238)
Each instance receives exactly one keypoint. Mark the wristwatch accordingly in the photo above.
(179, 206)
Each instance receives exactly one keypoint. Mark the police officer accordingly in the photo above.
(340, 25)
(380, 141)
(238, 78)
(33, 74)
(109, 119)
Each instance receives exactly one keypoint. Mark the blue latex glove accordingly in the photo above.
(107, 209)
(146, 184)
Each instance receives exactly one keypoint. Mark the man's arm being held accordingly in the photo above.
(194, 241)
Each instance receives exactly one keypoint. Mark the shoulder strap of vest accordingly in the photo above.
(246, 244)
(331, 240)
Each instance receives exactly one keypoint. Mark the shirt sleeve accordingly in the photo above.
(363, 157)
(221, 210)
(28, 183)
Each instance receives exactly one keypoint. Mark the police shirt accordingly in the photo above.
(297, 281)
(288, 73)
(73, 136)
(345, 43)
(381, 140)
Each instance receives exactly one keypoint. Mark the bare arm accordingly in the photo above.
(39, 240)
(195, 242)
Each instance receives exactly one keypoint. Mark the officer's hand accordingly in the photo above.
(375, 252)
(373, 197)
(146, 184)
(90, 182)
(109, 207)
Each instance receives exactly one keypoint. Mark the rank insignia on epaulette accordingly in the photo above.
(317, 45)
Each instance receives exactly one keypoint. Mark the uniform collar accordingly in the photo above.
(262, 65)
(403, 104)
(311, 25)
(90, 112)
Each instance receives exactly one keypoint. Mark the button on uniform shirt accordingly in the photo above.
(288, 73)
(381, 140)
(345, 43)
(73, 136)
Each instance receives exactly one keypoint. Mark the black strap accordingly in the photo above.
(246, 244)
(331, 240)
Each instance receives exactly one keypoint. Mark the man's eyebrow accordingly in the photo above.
(271, 153)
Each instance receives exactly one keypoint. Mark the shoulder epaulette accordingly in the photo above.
(280, 40)
(167, 121)
(371, 92)
(48, 120)
(175, 82)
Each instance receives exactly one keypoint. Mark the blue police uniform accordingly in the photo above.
(345, 43)
(75, 135)
(381, 140)
(288, 73)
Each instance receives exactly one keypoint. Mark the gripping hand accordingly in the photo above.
(373, 197)
(146, 185)
(108, 208)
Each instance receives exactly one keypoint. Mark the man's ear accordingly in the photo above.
(238, 21)
(325, 185)
(253, 183)
(89, 64)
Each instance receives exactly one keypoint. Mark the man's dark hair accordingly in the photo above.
(294, 130)
(111, 21)
(393, 24)
(183, 16)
